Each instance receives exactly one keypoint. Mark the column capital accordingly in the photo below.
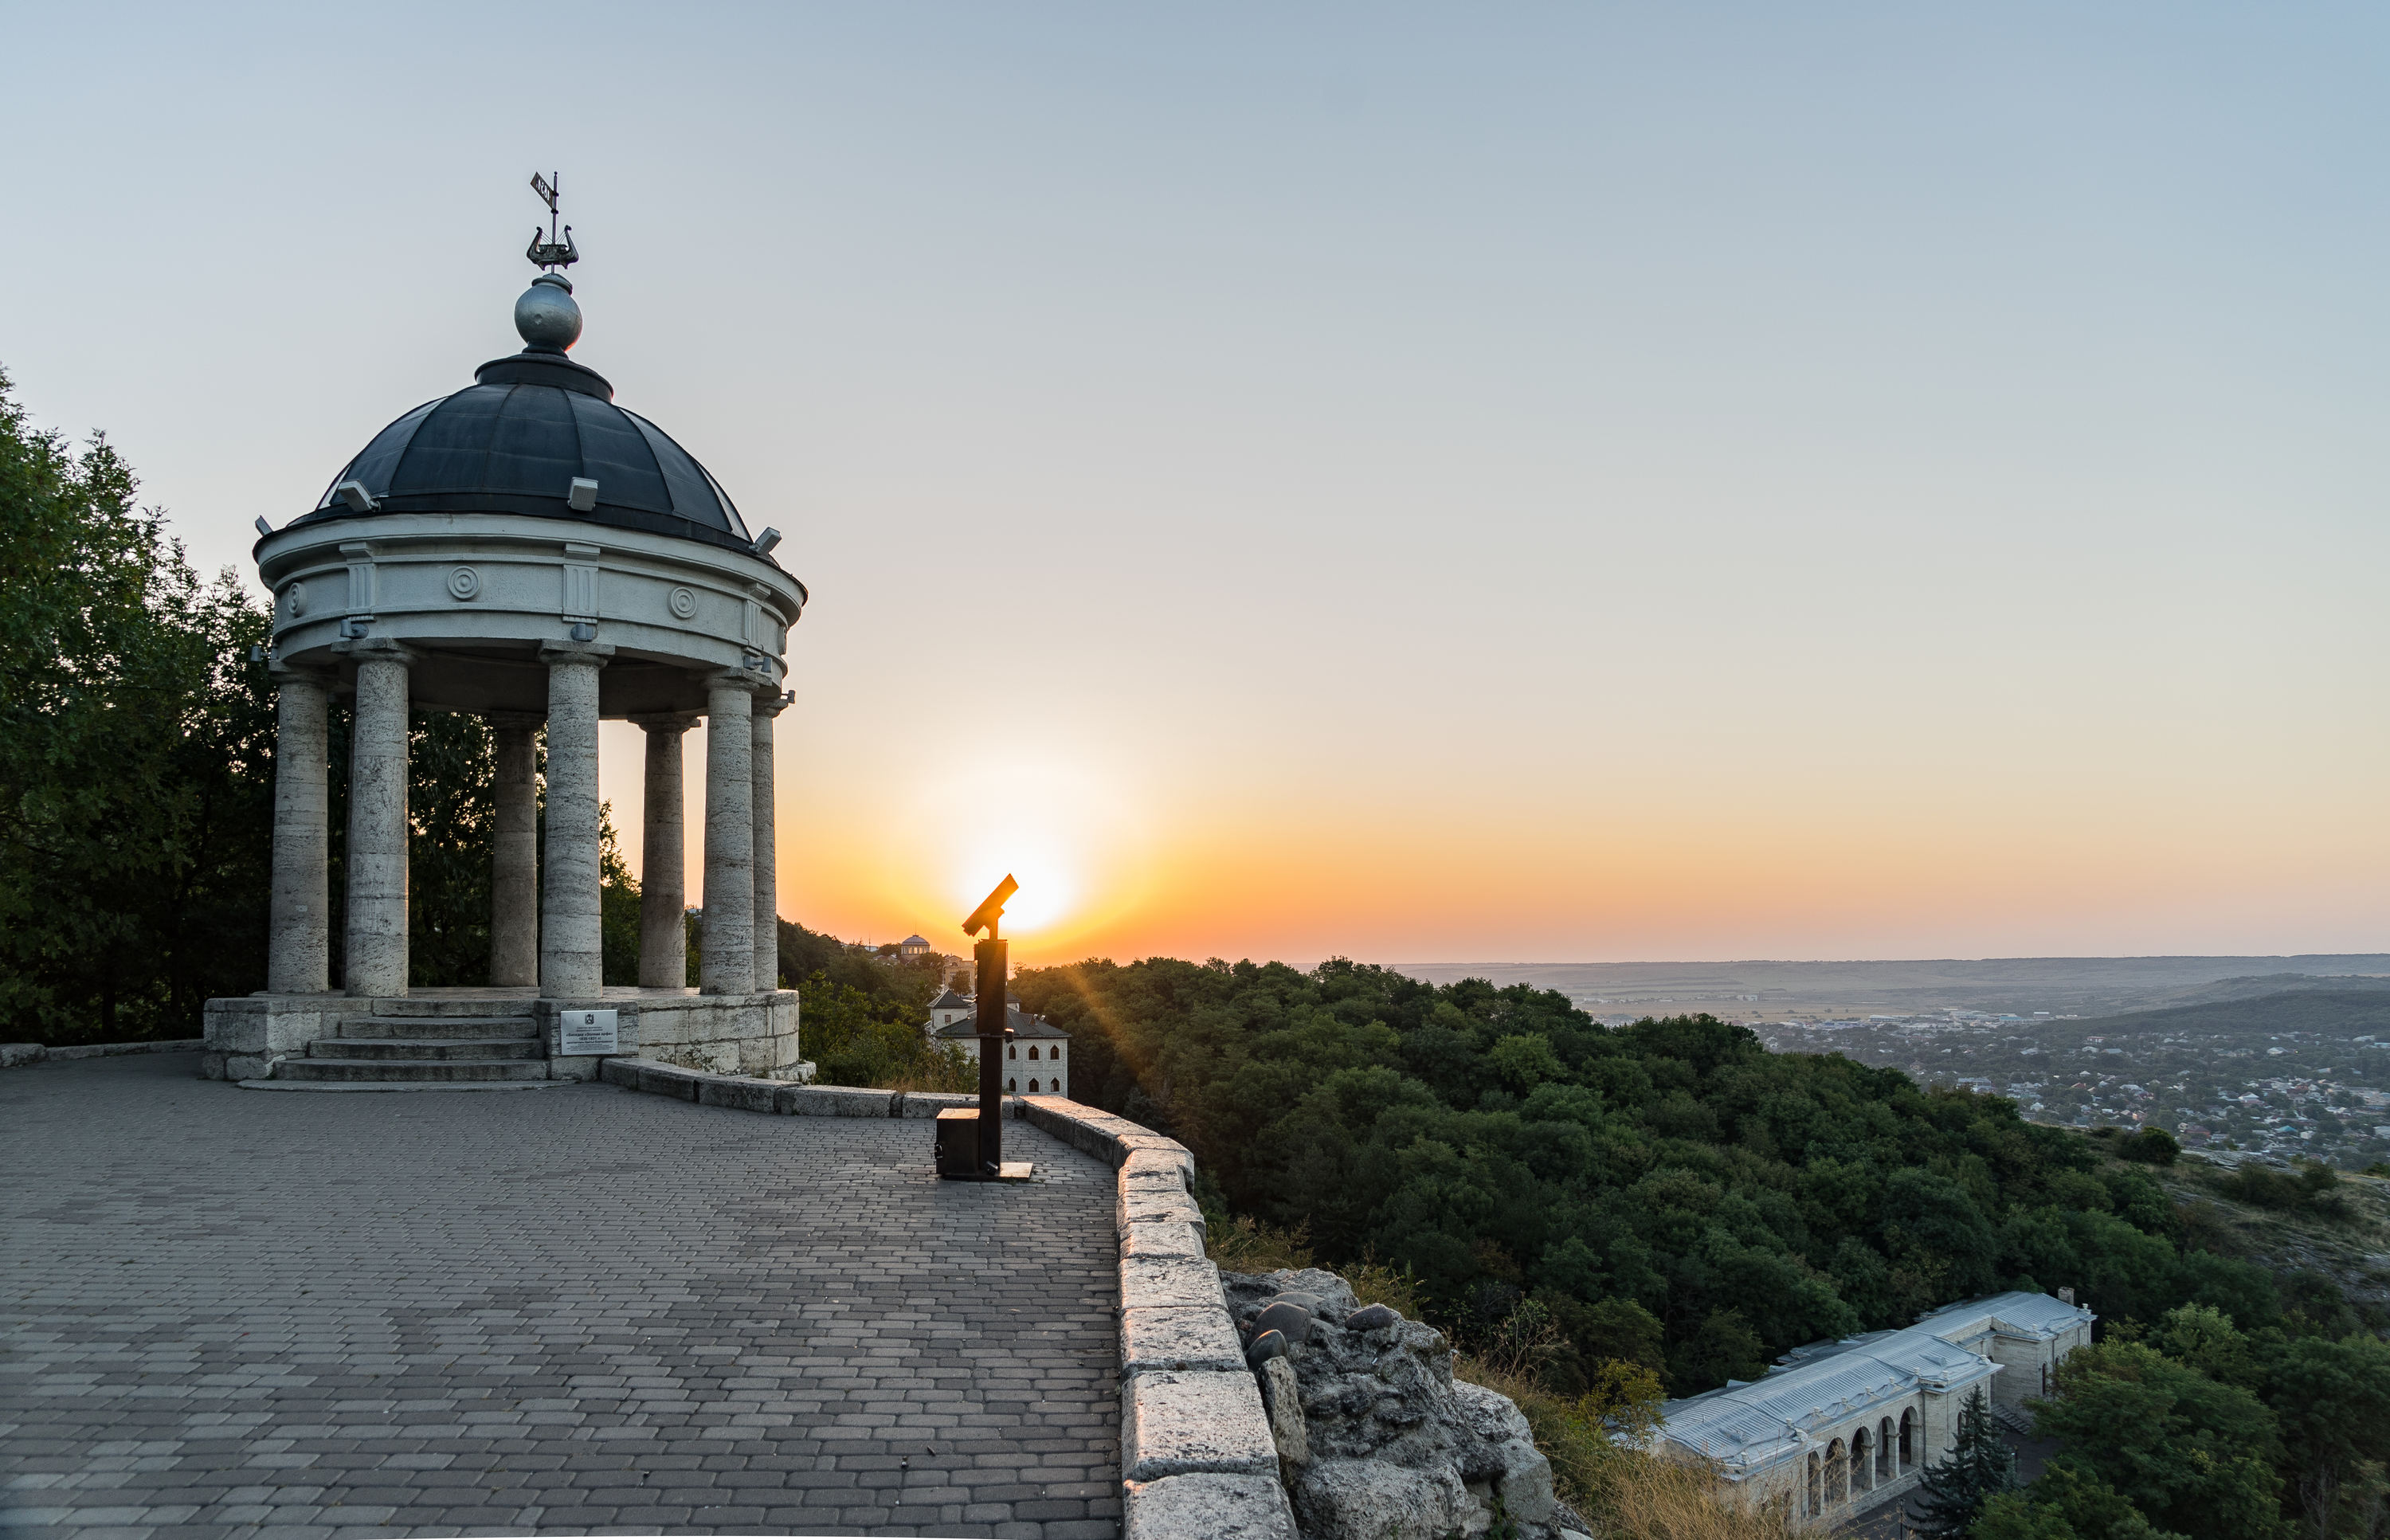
(521, 722)
(761, 685)
(291, 673)
(667, 722)
(775, 703)
(592, 654)
(376, 650)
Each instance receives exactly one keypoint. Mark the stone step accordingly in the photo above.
(422, 1048)
(423, 1028)
(418, 1007)
(406, 1069)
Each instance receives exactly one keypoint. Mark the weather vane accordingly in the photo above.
(551, 253)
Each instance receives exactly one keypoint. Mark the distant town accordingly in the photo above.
(2316, 1095)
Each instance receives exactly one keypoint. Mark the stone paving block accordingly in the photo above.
(438, 1318)
(1176, 1423)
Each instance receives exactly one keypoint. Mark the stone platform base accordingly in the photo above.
(492, 1035)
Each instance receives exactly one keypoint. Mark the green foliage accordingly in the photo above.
(872, 1035)
(2333, 1402)
(618, 906)
(2065, 1504)
(452, 834)
(2152, 1145)
(1979, 1467)
(2193, 1454)
(135, 758)
(1502, 1146)
(2315, 1188)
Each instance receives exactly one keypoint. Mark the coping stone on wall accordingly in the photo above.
(1179, 1337)
(16, 1055)
(1207, 1506)
(1178, 1422)
(835, 1101)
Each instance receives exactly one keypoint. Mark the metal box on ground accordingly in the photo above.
(958, 1151)
(959, 1142)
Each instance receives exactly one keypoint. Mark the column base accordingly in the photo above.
(508, 1034)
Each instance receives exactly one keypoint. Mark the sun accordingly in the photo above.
(1062, 830)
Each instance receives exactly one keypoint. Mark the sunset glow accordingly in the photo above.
(1441, 491)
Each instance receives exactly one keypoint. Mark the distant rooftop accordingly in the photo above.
(1021, 1023)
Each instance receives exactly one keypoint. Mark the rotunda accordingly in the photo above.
(527, 550)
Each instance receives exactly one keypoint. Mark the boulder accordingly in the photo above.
(1287, 1318)
(1394, 1444)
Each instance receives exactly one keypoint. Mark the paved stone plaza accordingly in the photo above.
(570, 1309)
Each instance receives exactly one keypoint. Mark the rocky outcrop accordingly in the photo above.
(1387, 1442)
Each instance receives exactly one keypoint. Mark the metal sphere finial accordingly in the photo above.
(548, 316)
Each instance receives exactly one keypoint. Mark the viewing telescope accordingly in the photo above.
(971, 1145)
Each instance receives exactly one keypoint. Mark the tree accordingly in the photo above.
(1723, 1348)
(2334, 1400)
(2065, 1504)
(618, 906)
(135, 758)
(452, 813)
(2195, 1456)
(1979, 1467)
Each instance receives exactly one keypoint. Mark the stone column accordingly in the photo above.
(571, 959)
(298, 937)
(663, 859)
(725, 962)
(768, 891)
(514, 866)
(376, 853)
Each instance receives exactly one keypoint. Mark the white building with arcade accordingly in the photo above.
(1839, 1427)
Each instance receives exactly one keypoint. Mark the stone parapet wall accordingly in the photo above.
(1199, 1460)
(17, 1055)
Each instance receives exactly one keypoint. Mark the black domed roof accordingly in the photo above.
(515, 440)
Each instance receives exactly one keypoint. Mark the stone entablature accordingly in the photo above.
(1843, 1427)
(477, 593)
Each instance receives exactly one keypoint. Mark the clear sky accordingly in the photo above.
(1526, 483)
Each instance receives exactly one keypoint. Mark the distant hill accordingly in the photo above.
(2265, 985)
(2071, 985)
(2338, 1012)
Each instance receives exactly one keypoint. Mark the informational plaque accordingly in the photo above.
(586, 1032)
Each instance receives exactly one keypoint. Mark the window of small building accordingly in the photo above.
(1032, 1088)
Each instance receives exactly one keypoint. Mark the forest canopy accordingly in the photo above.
(1506, 1147)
